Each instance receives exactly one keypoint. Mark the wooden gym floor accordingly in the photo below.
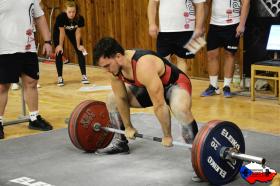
(56, 103)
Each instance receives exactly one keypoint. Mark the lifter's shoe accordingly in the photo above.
(116, 147)
(1, 131)
(40, 124)
(195, 178)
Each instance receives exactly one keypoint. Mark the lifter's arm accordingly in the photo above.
(123, 106)
(148, 75)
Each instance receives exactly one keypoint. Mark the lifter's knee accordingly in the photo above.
(181, 112)
(183, 115)
(180, 105)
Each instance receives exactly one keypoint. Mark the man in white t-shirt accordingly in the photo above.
(227, 24)
(18, 57)
(179, 21)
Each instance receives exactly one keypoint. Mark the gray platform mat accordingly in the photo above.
(49, 159)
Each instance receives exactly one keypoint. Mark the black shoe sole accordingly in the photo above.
(37, 128)
(104, 153)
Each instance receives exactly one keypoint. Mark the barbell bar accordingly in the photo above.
(226, 153)
(217, 152)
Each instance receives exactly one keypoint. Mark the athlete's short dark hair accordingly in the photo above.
(106, 47)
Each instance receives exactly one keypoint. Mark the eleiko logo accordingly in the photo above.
(256, 172)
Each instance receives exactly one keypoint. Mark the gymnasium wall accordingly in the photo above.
(125, 20)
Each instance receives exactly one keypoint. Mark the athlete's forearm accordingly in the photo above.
(124, 110)
(163, 115)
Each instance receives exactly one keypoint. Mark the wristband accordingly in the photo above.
(49, 42)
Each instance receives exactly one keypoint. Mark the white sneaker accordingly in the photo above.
(195, 178)
(60, 81)
(85, 79)
(15, 86)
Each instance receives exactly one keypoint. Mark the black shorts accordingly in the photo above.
(222, 36)
(143, 96)
(169, 43)
(13, 65)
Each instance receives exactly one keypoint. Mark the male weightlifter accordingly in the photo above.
(140, 78)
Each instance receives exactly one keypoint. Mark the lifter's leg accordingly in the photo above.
(115, 117)
(180, 104)
(119, 143)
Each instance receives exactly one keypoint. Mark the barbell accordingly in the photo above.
(218, 150)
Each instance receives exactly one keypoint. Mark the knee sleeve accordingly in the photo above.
(189, 131)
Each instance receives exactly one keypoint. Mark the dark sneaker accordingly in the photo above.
(85, 79)
(210, 91)
(227, 93)
(40, 124)
(115, 148)
(60, 82)
(1, 131)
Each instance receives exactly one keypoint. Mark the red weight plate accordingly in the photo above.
(72, 123)
(199, 140)
(196, 150)
(81, 125)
